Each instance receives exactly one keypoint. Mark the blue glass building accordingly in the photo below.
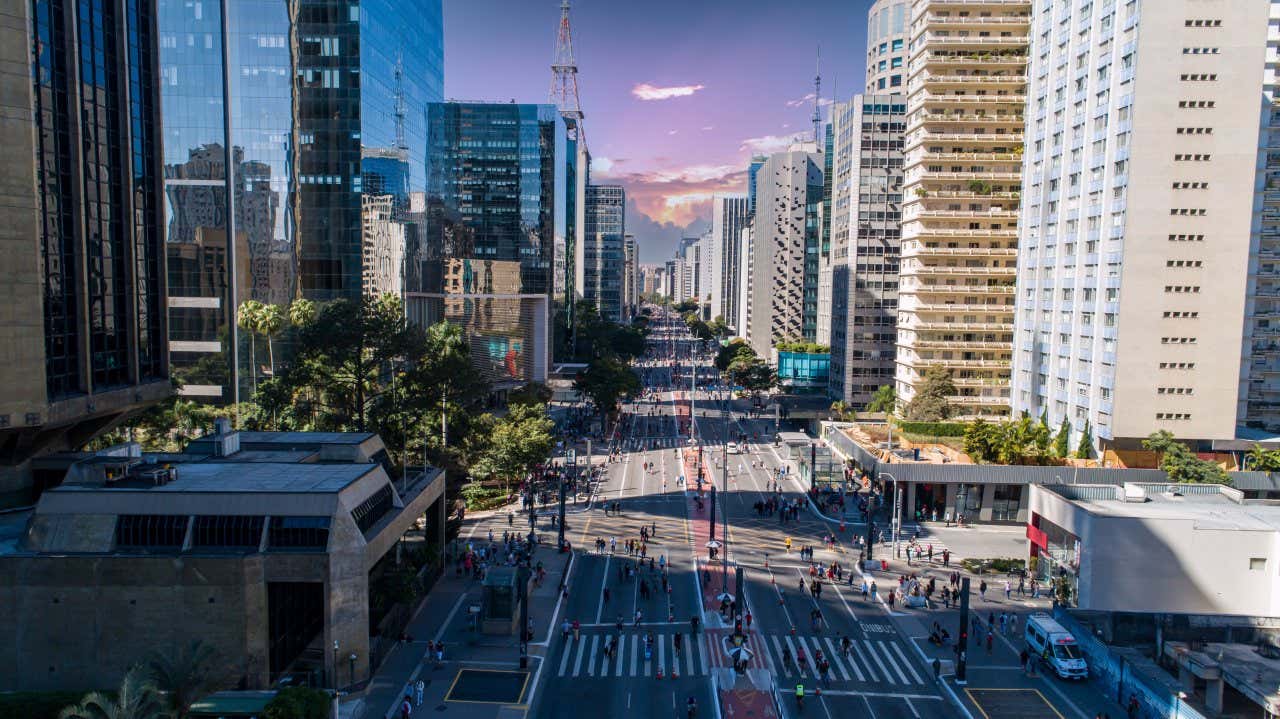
(275, 115)
(494, 173)
(602, 251)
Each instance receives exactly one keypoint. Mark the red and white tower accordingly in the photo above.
(564, 75)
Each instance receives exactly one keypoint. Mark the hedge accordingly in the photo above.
(933, 429)
(36, 705)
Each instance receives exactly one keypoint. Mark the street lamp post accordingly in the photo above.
(896, 515)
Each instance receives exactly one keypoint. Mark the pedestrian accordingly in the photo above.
(982, 589)
(991, 637)
(420, 688)
(1013, 625)
(406, 707)
(748, 618)
(1023, 658)
(1008, 590)
(439, 653)
(1004, 623)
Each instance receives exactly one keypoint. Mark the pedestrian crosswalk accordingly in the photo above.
(868, 661)
(589, 656)
(648, 443)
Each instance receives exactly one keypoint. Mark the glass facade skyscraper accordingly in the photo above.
(83, 322)
(276, 115)
(603, 251)
(494, 171)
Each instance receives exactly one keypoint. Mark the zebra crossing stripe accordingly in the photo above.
(906, 663)
(635, 651)
(777, 648)
(796, 655)
(892, 663)
(621, 658)
(835, 659)
(702, 652)
(564, 661)
(688, 659)
(863, 652)
(577, 661)
(662, 652)
(591, 661)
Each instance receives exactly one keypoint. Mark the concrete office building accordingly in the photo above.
(279, 120)
(83, 318)
(745, 280)
(689, 251)
(729, 214)
(887, 46)
(962, 176)
(822, 334)
(495, 173)
(865, 236)
(1203, 548)
(784, 253)
(1260, 385)
(1142, 219)
(630, 277)
(602, 254)
(266, 546)
(674, 287)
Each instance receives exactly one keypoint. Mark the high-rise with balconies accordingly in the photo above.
(1147, 276)
(962, 174)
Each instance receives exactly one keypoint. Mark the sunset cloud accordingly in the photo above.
(645, 91)
(604, 165)
(680, 194)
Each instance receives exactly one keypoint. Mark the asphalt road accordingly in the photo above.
(881, 677)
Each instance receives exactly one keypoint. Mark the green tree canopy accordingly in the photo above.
(1181, 464)
(187, 675)
(1084, 450)
(1263, 460)
(518, 442)
(299, 703)
(931, 402)
(605, 381)
(1062, 440)
(136, 698)
(1021, 441)
(732, 351)
(885, 399)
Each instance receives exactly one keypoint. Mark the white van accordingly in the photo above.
(1054, 645)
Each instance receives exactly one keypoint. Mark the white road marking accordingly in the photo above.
(591, 661)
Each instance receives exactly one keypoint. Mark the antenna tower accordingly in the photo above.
(564, 74)
(400, 108)
(817, 99)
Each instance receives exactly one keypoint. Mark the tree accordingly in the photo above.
(302, 313)
(247, 319)
(718, 327)
(753, 375)
(885, 399)
(136, 698)
(299, 703)
(931, 401)
(732, 351)
(838, 409)
(269, 323)
(1062, 441)
(1262, 460)
(187, 675)
(1044, 435)
(605, 381)
(1084, 450)
(1182, 466)
(519, 442)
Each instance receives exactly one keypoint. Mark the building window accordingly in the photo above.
(151, 531)
(298, 533)
(227, 531)
(1257, 564)
(373, 508)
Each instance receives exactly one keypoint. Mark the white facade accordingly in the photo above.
(962, 175)
(742, 323)
(728, 216)
(1141, 216)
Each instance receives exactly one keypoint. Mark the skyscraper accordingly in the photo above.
(280, 121)
(1146, 257)
(888, 45)
(603, 252)
(753, 169)
(83, 322)
(963, 155)
(631, 285)
(865, 238)
(494, 172)
(729, 215)
(784, 255)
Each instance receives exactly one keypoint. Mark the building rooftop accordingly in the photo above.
(256, 475)
(1210, 506)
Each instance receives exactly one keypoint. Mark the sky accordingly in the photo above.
(678, 94)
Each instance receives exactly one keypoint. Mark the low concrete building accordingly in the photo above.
(1158, 548)
(264, 545)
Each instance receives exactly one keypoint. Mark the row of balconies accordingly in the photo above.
(920, 138)
(916, 269)
(964, 363)
(958, 344)
(928, 288)
(918, 251)
(993, 213)
(934, 40)
(972, 80)
(960, 326)
(944, 307)
(929, 98)
(923, 232)
(917, 158)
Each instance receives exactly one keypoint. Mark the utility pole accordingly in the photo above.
(962, 646)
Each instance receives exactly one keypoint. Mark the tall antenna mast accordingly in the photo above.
(564, 74)
(400, 108)
(817, 99)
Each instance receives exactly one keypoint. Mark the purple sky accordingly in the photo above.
(734, 77)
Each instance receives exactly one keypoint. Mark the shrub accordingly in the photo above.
(299, 703)
(933, 429)
(36, 705)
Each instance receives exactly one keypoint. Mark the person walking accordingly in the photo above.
(419, 689)
(406, 707)
(982, 589)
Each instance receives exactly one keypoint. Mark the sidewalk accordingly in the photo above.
(444, 617)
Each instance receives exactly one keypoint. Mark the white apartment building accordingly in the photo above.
(742, 323)
(962, 175)
(706, 263)
(1140, 235)
(729, 215)
(784, 249)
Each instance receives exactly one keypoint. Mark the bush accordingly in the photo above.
(996, 565)
(933, 429)
(299, 703)
(36, 705)
(479, 497)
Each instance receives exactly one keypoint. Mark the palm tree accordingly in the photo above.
(187, 675)
(270, 323)
(247, 320)
(137, 698)
(302, 313)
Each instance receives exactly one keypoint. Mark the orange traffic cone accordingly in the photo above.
(674, 675)
(817, 691)
(659, 672)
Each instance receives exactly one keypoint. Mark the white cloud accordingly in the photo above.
(602, 165)
(771, 143)
(691, 174)
(708, 128)
(645, 91)
(688, 198)
(808, 100)
(672, 132)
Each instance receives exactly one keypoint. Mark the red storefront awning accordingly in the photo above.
(1038, 537)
